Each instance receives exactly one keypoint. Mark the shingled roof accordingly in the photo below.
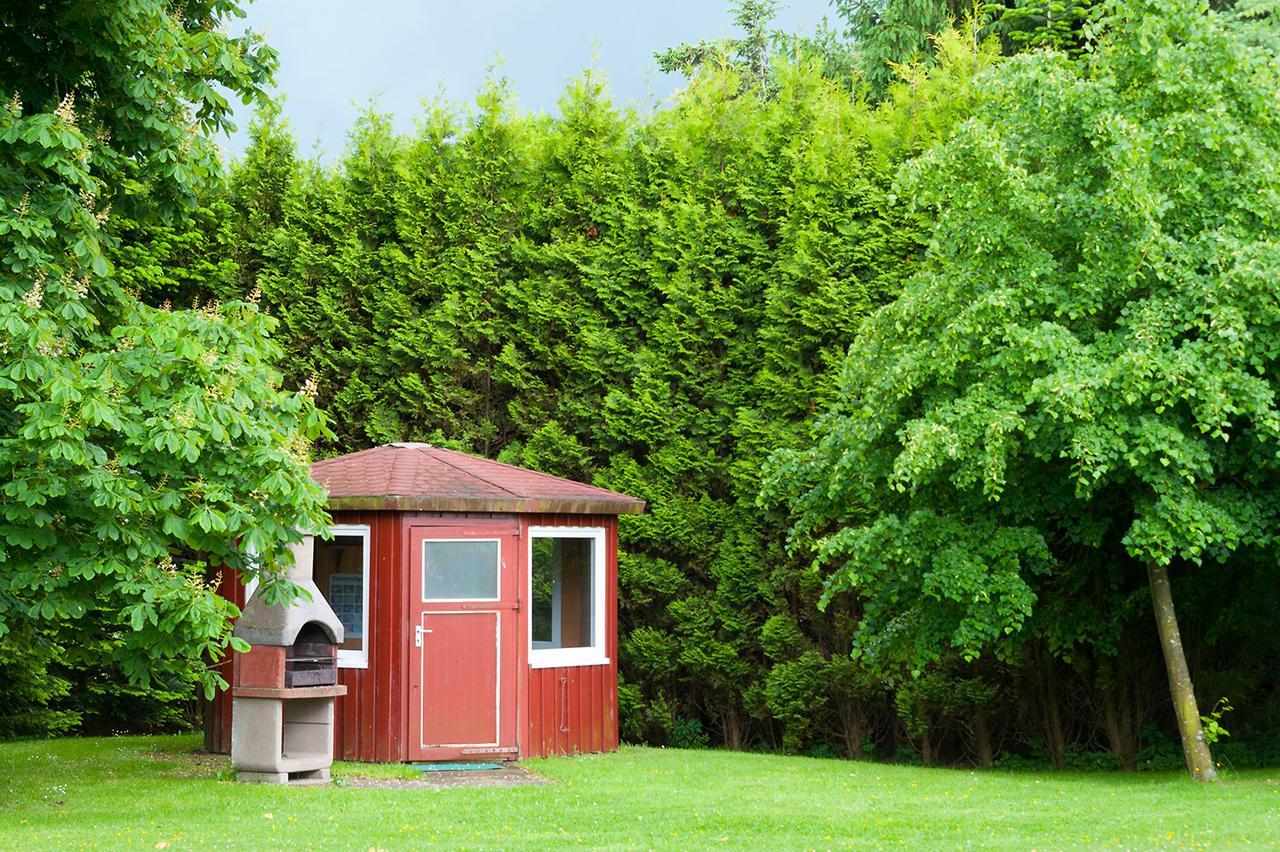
(424, 478)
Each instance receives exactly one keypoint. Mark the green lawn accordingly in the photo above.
(142, 792)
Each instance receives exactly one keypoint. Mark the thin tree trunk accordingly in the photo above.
(982, 740)
(1119, 697)
(1057, 741)
(926, 742)
(1117, 718)
(732, 729)
(1194, 747)
(853, 723)
(926, 749)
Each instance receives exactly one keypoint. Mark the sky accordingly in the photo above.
(337, 55)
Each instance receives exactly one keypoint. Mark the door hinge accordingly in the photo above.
(417, 635)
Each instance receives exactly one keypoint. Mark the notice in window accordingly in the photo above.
(346, 597)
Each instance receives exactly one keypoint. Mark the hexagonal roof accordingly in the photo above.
(424, 478)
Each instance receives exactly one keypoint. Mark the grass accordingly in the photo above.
(155, 792)
(385, 771)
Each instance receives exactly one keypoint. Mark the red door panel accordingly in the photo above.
(460, 659)
(463, 643)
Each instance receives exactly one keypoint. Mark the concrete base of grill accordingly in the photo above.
(275, 740)
(293, 779)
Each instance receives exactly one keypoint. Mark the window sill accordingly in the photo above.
(354, 661)
(570, 658)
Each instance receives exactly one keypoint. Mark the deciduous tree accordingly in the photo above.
(138, 445)
(1085, 370)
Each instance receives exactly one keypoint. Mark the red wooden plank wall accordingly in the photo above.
(217, 713)
(370, 719)
(575, 709)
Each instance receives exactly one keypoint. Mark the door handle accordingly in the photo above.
(417, 635)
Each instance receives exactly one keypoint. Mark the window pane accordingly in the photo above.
(563, 596)
(339, 574)
(459, 570)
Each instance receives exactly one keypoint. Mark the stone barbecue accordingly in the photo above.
(285, 685)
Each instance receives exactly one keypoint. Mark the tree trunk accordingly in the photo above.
(926, 742)
(926, 749)
(1194, 747)
(733, 734)
(1118, 686)
(853, 724)
(1054, 736)
(1117, 716)
(982, 740)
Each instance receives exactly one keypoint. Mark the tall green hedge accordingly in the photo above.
(650, 302)
(655, 303)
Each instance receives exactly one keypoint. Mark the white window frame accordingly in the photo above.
(497, 569)
(348, 658)
(595, 654)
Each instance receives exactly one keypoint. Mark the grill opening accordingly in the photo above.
(312, 660)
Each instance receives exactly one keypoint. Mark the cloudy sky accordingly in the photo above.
(337, 55)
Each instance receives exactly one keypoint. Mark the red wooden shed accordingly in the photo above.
(479, 606)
